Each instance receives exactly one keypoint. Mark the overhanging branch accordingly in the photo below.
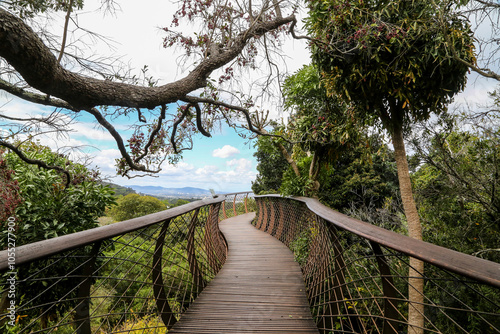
(36, 162)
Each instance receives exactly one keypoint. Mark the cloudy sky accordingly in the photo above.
(224, 162)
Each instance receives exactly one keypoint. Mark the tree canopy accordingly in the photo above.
(135, 205)
(390, 56)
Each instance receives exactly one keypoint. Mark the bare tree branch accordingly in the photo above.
(119, 141)
(153, 133)
(65, 32)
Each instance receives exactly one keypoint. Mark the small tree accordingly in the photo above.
(135, 205)
(392, 61)
(271, 164)
(318, 130)
(320, 125)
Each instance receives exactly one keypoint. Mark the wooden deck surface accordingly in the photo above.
(259, 290)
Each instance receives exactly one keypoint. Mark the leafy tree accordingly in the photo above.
(228, 37)
(320, 124)
(361, 179)
(135, 205)
(392, 62)
(318, 127)
(271, 164)
(484, 14)
(181, 201)
(50, 207)
(457, 186)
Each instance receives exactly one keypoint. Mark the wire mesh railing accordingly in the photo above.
(356, 274)
(136, 276)
(236, 204)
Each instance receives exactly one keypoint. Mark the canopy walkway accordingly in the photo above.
(259, 290)
(202, 268)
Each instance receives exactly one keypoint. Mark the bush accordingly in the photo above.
(49, 209)
(135, 205)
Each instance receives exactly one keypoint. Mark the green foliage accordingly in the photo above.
(144, 325)
(364, 176)
(127, 276)
(180, 201)
(319, 123)
(300, 246)
(135, 205)
(390, 55)
(458, 187)
(49, 209)
(292, 185)
(270, 164)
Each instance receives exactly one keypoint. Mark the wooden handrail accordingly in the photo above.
(37, 250)
(463, 264)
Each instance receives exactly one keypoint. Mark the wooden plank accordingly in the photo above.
(258, 290)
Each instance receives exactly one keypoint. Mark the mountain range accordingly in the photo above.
(186, 192)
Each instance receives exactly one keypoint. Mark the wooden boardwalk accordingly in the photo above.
(259, 290)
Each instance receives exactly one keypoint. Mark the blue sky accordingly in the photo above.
(223, 162)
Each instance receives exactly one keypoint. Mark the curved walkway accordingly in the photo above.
(259, 290)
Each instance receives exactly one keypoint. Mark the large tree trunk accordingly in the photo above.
(416, 270)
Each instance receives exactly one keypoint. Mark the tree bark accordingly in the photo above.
(313, 175)
(288, 158)
(416, 270)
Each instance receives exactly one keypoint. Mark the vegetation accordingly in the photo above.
(271, 164)
(457, 184)
(377, 65)
(390, 60)
(135, 205)
(120, 190)
(50, 208)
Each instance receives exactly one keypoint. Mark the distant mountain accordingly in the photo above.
(186, 192)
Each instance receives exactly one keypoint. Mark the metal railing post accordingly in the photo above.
(82, 310)
(391, 314)
(193, 263)
(166, 314)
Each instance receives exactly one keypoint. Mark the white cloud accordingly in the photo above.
(105, 159)
(225, 152)
(240, 164)
(91, 131)
(206, 170)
